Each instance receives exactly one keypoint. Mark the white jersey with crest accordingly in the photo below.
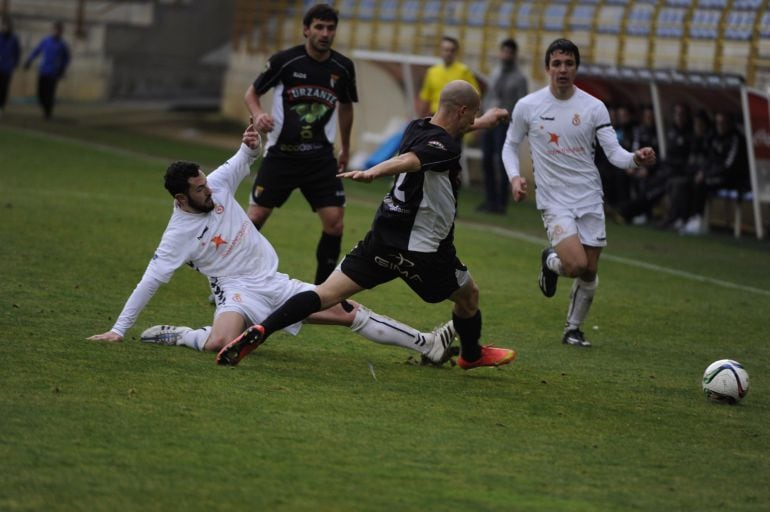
(220, 244)
(562, 135)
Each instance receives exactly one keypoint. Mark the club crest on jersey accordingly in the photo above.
(576, 120)
(333, 80)
(219, 209)
(436, 144)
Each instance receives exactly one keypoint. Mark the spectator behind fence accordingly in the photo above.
(671, 170)
(726, 166)
(506, 85)
(56, 58)
(683, 200)
(9, 58)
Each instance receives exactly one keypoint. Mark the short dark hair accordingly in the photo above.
(177, 176)
(452, 40)
(510, 43)
(324, 12)
(564, 46)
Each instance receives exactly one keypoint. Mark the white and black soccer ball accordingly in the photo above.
(725, 381)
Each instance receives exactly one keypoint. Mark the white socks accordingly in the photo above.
(385, 330)
(580, 302)
(195, 338)
(553, 262)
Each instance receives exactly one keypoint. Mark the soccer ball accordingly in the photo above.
(725, 381)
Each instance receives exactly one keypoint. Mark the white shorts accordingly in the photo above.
(586, 222)
(255, 299)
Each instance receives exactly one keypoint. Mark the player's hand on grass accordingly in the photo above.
(364, 176)
(519, 188)
(106, 336)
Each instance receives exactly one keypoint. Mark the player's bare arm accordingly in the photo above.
(407, 162)
(345, 114)
(490, 118)
(263, 121)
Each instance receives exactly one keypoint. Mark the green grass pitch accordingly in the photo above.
(302, 424)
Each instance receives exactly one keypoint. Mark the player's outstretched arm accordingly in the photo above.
(407, 162)
(106, 336)
(490, 118)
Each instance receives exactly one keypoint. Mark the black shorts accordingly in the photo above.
(434, 276)
(315, 177)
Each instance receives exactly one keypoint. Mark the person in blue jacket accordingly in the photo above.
(56, 58)
(9, 57)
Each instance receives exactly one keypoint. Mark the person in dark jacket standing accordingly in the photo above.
(9, 58)
(53, 65)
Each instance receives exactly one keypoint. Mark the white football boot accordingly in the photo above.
(164, 334)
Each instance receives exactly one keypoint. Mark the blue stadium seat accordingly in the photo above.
(747, 4)
(366, 10)
(678, 3)
(476, 13)
(524, 19)
(639, 20)
(719, 4)
(617, 2)
(554, 17)
(740, 25)
(610, 19)
(670, 22)
(705, 24)
(430, 13)
(582, 17)
(389, 10)
(410, 11)
(504, 15)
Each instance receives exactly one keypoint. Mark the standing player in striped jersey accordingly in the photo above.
(563, 124)
(314, 86)
(412, 236)
(210, 232)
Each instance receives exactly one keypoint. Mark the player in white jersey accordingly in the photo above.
(211, 232)
(562, 124)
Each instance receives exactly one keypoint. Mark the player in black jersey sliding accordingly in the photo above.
(314, 87)
(412, 236)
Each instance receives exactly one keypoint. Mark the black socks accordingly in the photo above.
(469, 332)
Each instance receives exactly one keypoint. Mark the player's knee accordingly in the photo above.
(258, 216)
(215, 343)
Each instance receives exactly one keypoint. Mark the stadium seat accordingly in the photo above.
(718, 4)
(747, 4)
(733, 200)
(670, 22)
(410, 11)
(554, 17)
(639, 20)
(504, 15)
(740, 25)
(476, 13)
(389, 10)
(610, 19)
(705, 24)
(582, 17)
(524, 19)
